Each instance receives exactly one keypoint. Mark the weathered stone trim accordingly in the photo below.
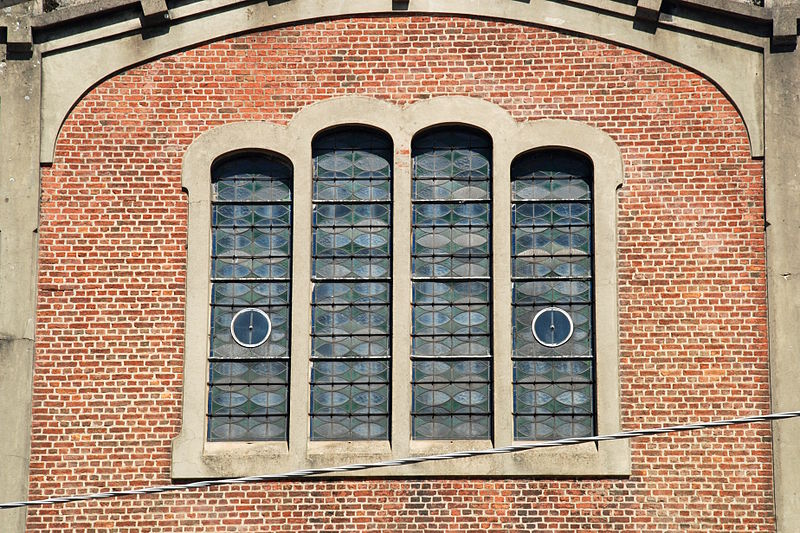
(19, 195)
(193, 457)
(65, 85)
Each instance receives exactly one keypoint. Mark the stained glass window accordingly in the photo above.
(450, 268)
(553, 352)
(351, 271)
(250, 281)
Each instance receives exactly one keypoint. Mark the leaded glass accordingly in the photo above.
(451, 299)
(351, 273)
(251, 216)
(552, 274)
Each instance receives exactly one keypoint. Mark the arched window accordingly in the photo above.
(250, 293)
(507, 245)
(552, 270)
(451, 279)
(351, 275)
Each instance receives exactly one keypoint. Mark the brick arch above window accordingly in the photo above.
(105, 57)
(195, 457)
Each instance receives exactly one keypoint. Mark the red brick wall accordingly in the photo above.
(691, 274)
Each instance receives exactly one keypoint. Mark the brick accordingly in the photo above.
(692, 293)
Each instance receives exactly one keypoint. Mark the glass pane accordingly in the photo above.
(332, 372)
(451, 427)
(340, 427)
(552, 295)
(449, 398)
(550, 427)
(547, 371)
(244, 372)
(248, 400)
(250, 266)
(247, 428)
(349, 398)
(251, 241)
(351, 269)
(450, 265)
(443, 371)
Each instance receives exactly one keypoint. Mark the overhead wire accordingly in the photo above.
(300, 474)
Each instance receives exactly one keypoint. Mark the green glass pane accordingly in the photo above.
(433, 164)
(443, 371)
(352, 215)
(351, 293)
(555, 398)
(441, 214)
(354, 399)
(550, 427)
(248, 400)
(450, 189)
(371, 166)
(253, 190)
(456, 427)
(451, 241)
(349, 241)
(348, 427)
(470, 163)
(244, 372)
(447, 266)
(451, 346)
(574, 426)
(561, 189)
(340, 346)
(451, 398)
(530, 266)
(259, 428)
(236, 267)
(446, 292)
(557, 214)
(338, 372)
(350, 320)
(533, 371)
(351, 267)
(551, 189)
(347, 190)
(240, 242)
(271, 191)
(551, 292)
(553, 240)
(250, 294)
(334, 165)
(226, 215)
(461, 319)
(451, 163)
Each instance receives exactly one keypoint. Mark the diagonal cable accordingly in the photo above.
(298, 474)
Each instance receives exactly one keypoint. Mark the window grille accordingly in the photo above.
(250, 294)
(553, 351)
(351, 274)
(451, 280)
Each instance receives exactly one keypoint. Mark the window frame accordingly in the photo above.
(193, 457)
(533, 350)
(319, 203)
(274, 166)
(449, 138)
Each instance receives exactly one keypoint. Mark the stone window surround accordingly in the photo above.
(195, 458)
